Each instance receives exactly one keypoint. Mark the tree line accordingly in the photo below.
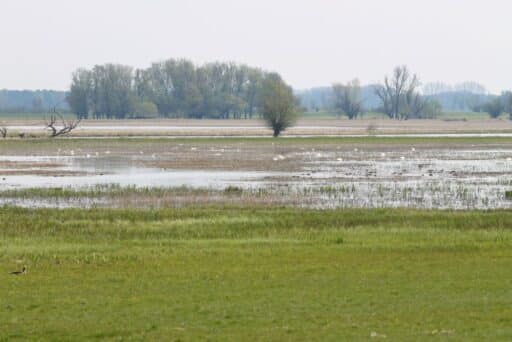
(170, 89)
(400, 98)
(32, 101)
(177, 88)
(497, 106)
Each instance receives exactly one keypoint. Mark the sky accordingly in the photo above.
(309, 42)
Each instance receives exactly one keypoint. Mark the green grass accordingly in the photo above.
(108, 190)
(255, 274)
(468, 116)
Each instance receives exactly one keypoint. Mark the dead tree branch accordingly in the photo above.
(64, 128)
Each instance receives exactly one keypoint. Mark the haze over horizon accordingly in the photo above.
(310, 43)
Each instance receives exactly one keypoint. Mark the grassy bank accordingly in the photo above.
(53, 145)
(238, 274)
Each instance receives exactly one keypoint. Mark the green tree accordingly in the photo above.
(144, 109)
(178, 88)
(507, 103)
(494, 107)
(277, 103)
(79, 96)
(112, 94)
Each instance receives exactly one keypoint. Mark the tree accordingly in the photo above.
(413, 105)
(507, 103)
(399, 95)
(435, 88)
(111, 91)
(277, 103)
(347, 98)
(177, 88)
(66, 127)
(144, 109)
(37, 104)
(79, 96)
(431, 109)
(494, 107)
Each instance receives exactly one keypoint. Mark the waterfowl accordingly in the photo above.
(22, 272)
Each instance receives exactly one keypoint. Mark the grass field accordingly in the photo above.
(38, 146)
(228, 273)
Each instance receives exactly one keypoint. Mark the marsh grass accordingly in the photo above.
(108, 190)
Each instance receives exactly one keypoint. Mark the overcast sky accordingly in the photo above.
(310, 42)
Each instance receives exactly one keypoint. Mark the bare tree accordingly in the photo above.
(65, 127)
(435, 88)
(397, 92)
(347, 98)
(384, 95)
(414, 104)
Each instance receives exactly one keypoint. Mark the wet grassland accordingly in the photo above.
(293, 253)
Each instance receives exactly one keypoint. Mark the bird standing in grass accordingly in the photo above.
(22, 272)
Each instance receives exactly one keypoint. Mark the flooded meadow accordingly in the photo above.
(330, 173)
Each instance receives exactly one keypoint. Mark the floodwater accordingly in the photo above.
(454, 178)
(90, 171)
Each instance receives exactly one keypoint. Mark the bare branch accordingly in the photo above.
(65, 128)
